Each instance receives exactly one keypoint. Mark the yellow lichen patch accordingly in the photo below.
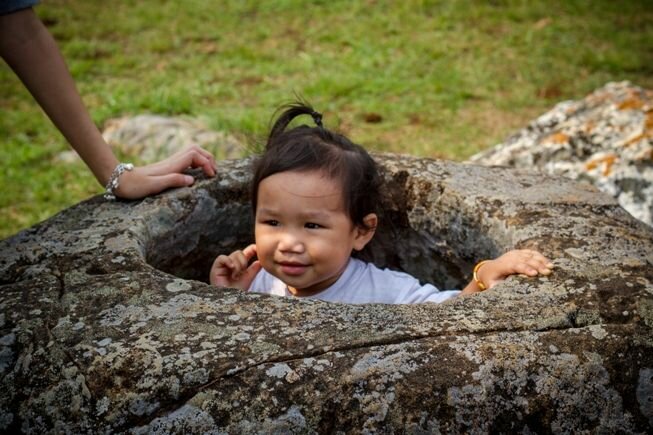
(607, 161)
(634, 139)
(648, 122)
(589, 126)
(646, 154)
(631, 103)
(558, 138)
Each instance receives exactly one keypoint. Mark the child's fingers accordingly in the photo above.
(223, 262)
(226, 264)
(540, 263)
(525, 268)
(242, 258)
(249, 252)
(543, 265)
(240, 264)
(251, 271)
(525, 262)
(541, 259)
(535, 260)
(528, 254)
(540, 268)
(220, 270)
(533, 266)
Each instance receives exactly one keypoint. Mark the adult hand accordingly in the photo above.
(156, 177)
(30, 50)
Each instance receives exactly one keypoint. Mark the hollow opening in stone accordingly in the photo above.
(437, 246)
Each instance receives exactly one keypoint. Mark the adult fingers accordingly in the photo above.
(199, 149)
(209, 156)
(212, 165)
(139, 184)
(194, 157)
(159, 183)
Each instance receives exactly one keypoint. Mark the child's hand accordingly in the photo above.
(523, 261)
(232, 270)
(518, 261)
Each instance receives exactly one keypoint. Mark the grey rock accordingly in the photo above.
(109, 326)
(151, 138)
(605, 139)
(155, 137)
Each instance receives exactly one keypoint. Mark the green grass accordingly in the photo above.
(448, 78)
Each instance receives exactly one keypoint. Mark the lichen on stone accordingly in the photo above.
(108, 323)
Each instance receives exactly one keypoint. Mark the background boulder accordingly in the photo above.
(605, 139)
(151, 138)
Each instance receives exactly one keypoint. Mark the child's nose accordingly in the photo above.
(289, 242)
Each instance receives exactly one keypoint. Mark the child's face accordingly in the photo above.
(304, 237)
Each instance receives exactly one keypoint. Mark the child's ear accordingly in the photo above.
(364, 234)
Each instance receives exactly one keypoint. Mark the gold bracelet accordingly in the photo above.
(479, 283)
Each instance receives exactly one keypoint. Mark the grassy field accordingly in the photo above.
(432, 78)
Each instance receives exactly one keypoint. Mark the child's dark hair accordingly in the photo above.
(307, 148)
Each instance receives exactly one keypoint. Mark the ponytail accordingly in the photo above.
(292, 111)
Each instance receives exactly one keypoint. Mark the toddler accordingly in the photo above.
(314, 197)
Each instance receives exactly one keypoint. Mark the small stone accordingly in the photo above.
(119, 259)
(178, 285)
(104, 342)
(242, 336)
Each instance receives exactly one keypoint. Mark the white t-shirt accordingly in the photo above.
(362, 283)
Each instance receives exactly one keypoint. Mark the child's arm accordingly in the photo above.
(519, 261)
(232, 270)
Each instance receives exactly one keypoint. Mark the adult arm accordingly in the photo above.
(30, 50)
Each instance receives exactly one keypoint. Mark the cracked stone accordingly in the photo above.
(146, 345)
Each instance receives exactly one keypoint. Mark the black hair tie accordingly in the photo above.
(317, 117)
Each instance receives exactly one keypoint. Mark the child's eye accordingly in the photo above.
(271, 222)
(312, 225)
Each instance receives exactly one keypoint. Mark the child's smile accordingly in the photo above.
(304, 237)
(293, 268)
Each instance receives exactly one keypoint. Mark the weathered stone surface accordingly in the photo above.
(105, 327)
(605, 139)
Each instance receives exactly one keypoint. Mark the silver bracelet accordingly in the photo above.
(113, 184)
